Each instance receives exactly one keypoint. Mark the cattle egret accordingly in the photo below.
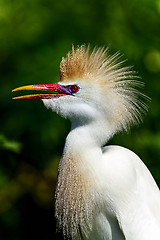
(103, 193)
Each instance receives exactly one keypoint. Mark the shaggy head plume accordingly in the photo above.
(118, 84)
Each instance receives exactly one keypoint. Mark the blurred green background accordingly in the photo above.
(34, 35)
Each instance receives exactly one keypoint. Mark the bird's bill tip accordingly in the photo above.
(32, 96)
(29, 87)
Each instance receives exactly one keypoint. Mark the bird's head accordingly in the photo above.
(93, 86)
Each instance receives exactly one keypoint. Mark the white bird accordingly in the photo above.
(103, 193)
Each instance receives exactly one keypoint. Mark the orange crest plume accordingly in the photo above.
(118, 84)
(79, 63)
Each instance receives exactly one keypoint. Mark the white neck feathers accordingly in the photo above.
(77, 193)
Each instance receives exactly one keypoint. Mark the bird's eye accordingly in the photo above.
(74, 88)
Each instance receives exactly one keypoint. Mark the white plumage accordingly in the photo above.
(103, 193)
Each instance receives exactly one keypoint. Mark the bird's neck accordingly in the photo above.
(77, 191)
(81, 147)
(85, 142)
(95, 133)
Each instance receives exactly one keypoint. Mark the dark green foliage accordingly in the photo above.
(34, 35)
